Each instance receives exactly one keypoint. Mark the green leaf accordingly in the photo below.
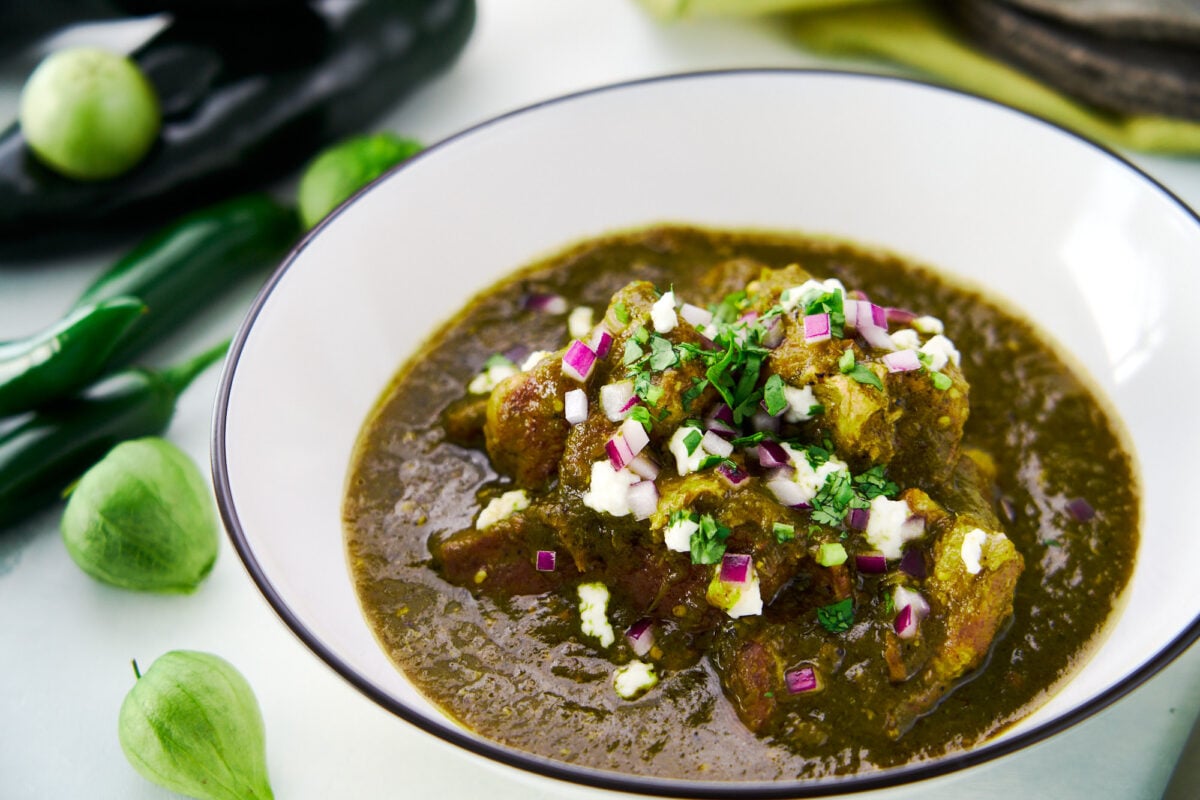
(774, 396)
(846, 362)
(873, 483)
(662, 354)
(862, 374)
(641, 414)
(691, 440)
(633, 352)
(708, 541)
(837, 617)
(783, 532)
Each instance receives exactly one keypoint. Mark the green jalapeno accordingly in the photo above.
(66, 356)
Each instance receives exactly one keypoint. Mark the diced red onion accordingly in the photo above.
(547, 303)
(858, 518)
(722, 429)
(772, 333)
(644, 467)
(817, 328)
(546, 560)
(731, 473)
(601, 341)
(695, 315)
(902, 361)
(619, 453)
(749, 317)
(772, 454)
(801, 680)
(575, 406)
(877, 337)
(578, 361)
(900, 316)
(635, 433)
(518, 353)
(871, 315)
(905, 623)
(641, 636)
(712, 443)
(735, 568)
(871, 563)
(721, 412)
(1080, 510)
(643, 499)
(912, 563)
(913, 608)
(617, 399)
(765, 423)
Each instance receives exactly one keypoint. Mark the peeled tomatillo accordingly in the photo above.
(142, 518)
(89, 114)
(191, 724)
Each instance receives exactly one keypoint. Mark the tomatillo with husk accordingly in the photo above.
(142, 518)
(191, 724)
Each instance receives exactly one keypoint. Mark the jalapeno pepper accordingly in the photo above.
(66, 356)
(244, 101)
(43, 454)
(179, 269)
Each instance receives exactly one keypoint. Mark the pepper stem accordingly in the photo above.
(179, 376)
(137, 673)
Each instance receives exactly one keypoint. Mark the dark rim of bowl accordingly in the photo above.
(663, 787)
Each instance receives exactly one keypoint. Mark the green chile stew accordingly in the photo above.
(782, 547)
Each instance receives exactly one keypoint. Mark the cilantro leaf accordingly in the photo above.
(662, 354)
(862, 374)
(691, 440)
(774, 396)
(783, 532)
(621, 312)
(708, 541)
(872, 483)
(837, 617)
(640, 413)
(633, 352)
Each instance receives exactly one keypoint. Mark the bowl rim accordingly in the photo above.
(649, 785)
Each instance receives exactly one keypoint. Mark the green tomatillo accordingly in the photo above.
(142, 518)
(191, 724)
(89, 114)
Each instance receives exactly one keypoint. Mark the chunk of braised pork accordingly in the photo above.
(749, 511)
(463, 420)
(909, 424)
(969, 610)
(726, 278)
(501, 559)
(525, 430)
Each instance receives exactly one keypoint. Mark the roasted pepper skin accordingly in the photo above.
(43, 453)
(242, 104)
(180, 268)
(66, 356)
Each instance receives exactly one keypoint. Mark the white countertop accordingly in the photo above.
(66, 641)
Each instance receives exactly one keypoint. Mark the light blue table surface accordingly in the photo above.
(66, 641)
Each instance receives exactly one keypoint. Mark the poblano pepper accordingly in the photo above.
(243, 104)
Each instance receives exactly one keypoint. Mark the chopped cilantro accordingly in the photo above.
(621, 312)
(692, 392)
(889, 604)
(837, 617)
(640, 413)
(662, 354)
(633, 352)
(641, 335)
(856, 371)
(816, 410)
(753, 438)
(834, 499)
(691, 440)
(652, 394)
(872, 483)
(730, 307)
(708, 541)
(774, 396)
(941, 382)
(713, 461)
(783, 532)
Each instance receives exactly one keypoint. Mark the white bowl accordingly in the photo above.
(1095, 251)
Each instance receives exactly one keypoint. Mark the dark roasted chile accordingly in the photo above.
(244, 103)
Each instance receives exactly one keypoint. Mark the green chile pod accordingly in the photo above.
(142, 518)
(191, 724)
